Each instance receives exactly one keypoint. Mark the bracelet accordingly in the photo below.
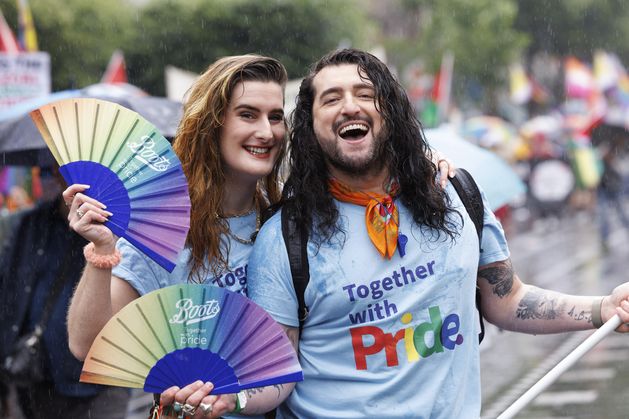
(597, 321)
(241, 402)
(101, 261)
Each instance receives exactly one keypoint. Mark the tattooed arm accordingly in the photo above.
(264, 399)
(259, 400)
(510, 304)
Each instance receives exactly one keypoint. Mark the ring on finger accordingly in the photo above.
(206, 408)
(189, 409)
(80, 213)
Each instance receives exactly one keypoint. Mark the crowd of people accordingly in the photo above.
(374, 201)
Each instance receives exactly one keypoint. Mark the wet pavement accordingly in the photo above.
(564, 255)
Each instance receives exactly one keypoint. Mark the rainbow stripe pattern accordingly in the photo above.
(183, 333)
(130, 167)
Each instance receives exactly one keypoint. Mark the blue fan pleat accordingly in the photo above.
(105, 187)
(192, 364)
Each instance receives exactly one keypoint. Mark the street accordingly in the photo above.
(564, 255)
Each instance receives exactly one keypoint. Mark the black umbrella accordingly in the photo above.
(22, 144)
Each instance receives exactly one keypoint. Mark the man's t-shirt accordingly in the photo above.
(386, 338)
(145, 275)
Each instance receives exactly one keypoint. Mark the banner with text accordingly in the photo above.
(23, 76)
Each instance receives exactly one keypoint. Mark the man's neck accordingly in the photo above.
(370, 182)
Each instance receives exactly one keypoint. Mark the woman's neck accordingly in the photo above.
(238, 198)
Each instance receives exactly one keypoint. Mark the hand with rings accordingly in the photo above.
(194, 401)
(87, 215)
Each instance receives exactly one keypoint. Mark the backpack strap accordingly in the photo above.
(468, 191)
(296, 241)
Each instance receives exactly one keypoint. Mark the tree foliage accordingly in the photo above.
(478, 33)
(295, 32)
(81, 35)
(575, 27)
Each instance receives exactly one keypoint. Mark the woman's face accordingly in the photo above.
(253, 130)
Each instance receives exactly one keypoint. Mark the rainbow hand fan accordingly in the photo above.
(183, 333)
(129, 166)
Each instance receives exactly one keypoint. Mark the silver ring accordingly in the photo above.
(206, 408)
(177, 406)
(80, 213)
(189, 409)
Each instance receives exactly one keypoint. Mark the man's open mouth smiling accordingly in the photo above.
(353, 131)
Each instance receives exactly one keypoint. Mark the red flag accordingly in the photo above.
(8, 43)
(442, 86)
(116, 69)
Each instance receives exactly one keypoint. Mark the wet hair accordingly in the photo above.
(406, 152)
(197, 146)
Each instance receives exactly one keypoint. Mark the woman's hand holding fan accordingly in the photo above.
(129, 167)
(86, 216)
(172, 340)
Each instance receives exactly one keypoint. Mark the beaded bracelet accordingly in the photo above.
(597, 320)
(101, 261)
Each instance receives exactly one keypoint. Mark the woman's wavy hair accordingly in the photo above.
(407, 154)
(197, 146)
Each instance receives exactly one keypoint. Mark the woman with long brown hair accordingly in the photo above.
(230, 142)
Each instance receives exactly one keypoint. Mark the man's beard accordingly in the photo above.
(373, 162)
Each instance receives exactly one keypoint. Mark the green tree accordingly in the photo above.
(79, 35)
(194, 35)
(480, 35)
(575, 27)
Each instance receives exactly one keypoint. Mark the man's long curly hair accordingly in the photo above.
(197, 146)
(406, 153)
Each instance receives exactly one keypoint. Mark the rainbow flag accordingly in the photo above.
(579, 80)
(26, 28)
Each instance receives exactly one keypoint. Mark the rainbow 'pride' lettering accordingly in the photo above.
(445, 335)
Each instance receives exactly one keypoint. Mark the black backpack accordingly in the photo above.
(296, 240)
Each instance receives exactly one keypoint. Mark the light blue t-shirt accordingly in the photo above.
(386, 338)
(145, 275)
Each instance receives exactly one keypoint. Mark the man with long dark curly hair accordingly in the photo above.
(394, 261)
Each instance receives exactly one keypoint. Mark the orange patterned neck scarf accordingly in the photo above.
(381, 214)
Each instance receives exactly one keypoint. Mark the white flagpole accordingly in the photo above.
(561, 367)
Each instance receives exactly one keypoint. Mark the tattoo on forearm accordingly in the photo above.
(253, 391)
(500, 277)
(580, 315)
(538, 305)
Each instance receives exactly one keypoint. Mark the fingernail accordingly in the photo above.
(109, 214)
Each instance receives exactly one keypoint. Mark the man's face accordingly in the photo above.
(346, 121)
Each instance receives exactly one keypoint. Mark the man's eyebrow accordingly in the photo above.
(356, 86)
